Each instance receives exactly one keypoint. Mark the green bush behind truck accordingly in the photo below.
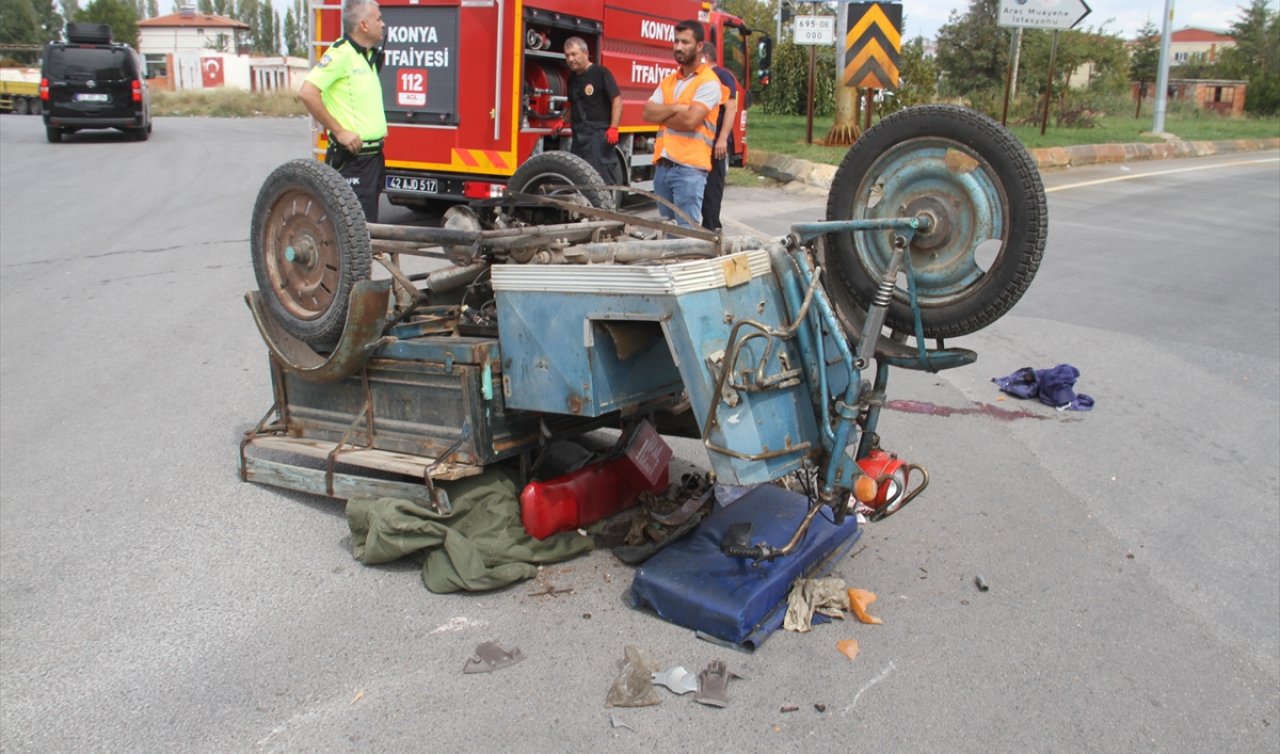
(20, 91)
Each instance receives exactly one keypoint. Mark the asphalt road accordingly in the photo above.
(151, 602)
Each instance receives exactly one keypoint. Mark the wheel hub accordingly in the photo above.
(941, 221)
(302, 258)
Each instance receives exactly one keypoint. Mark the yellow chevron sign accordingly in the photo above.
(872, 45)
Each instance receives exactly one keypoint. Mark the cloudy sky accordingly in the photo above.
(1123, 16)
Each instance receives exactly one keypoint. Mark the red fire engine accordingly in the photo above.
(471, 87)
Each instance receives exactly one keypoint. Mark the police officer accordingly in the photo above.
(344, 95)
(595, 108)
(713, 195)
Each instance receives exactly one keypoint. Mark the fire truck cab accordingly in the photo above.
(472, 87)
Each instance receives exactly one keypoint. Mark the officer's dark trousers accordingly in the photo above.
(713, 195)
(365, 173)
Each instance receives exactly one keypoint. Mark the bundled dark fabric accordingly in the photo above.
(480, 545)
(1054, 387)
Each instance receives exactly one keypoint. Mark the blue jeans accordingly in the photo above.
(682, 186)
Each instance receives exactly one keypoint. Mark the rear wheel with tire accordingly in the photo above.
(20, 106)
(310, 246)
(53, 134)
(564, 176)
(983, 194)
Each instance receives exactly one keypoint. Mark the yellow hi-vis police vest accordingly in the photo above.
(692, 148)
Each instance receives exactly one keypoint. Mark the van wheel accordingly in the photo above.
(53, 134)
(310, 246)
(984, 193)
(564, 176)
(141, 134)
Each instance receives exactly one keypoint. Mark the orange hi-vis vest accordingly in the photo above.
(692, 148)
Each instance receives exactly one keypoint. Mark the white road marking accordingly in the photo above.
(1083, 184)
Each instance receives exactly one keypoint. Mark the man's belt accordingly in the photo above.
(366, 147)
(666, 163)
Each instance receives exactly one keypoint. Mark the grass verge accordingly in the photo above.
(785, 134)
(227, 103)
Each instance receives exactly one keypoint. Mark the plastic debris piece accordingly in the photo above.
(981, 583)
(677, 679)
(809, 596)
(713, 684)
(859, 599)
(489, 656)
(616, 723)
(634, 685)
(848, 648)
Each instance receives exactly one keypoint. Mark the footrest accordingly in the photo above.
(901, 355)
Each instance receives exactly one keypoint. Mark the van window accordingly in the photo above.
(84, 63)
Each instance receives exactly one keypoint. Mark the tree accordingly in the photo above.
(118, 14)
(153, 8)
(295, 31)
(19, 25)
(973, 50)
(917, 76)
(48, 20)
(1144, 64)
(1255, 57)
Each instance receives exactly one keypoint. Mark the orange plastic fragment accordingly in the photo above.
(859, 599)
(848, 648)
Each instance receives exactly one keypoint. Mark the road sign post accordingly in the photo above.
(1050, 15)
(812, 31)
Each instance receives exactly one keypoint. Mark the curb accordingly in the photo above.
(787, 169)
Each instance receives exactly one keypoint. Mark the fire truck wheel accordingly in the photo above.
(20, 105)
(562, 175)
(983, 194)
(310, 246)
(37, 108)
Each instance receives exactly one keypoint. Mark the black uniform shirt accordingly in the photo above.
(591, 96)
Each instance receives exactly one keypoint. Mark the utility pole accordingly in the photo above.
(1162, 78)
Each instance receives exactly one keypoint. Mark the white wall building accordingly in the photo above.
(192, 50)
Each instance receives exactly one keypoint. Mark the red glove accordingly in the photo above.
(612, 135)
(556, 126)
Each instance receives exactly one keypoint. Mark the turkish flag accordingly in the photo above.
(211, 72)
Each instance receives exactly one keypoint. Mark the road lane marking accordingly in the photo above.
(1099, 181)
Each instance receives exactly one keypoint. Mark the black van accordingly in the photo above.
(91, 82)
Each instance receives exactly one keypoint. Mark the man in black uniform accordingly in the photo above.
(595, 107)
(713, 194)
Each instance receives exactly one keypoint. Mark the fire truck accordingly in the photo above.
(472, 88)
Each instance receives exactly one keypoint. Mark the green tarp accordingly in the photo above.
(480, 545)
